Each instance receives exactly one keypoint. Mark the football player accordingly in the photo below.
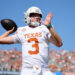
(35, 39)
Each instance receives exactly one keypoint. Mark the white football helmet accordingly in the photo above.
(30, 11)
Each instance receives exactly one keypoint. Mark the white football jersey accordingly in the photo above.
(35, 45)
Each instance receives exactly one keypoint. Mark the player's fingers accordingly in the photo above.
(11, 31)
(13, 28)
(50, 14)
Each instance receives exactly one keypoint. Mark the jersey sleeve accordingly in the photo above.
(16, 36)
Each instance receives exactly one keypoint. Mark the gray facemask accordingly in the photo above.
(35, 23)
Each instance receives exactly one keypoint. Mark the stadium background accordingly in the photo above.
(59, 61)
(62, 60)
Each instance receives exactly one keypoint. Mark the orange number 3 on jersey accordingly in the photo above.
(34, 45)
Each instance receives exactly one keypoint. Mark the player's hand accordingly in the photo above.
(7, 33)
(10, 31)
(48, 19)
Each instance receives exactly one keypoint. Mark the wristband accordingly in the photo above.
(49, 26)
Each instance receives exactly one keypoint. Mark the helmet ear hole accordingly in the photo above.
(25, 20)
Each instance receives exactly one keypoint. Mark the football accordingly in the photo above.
(8, 24)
